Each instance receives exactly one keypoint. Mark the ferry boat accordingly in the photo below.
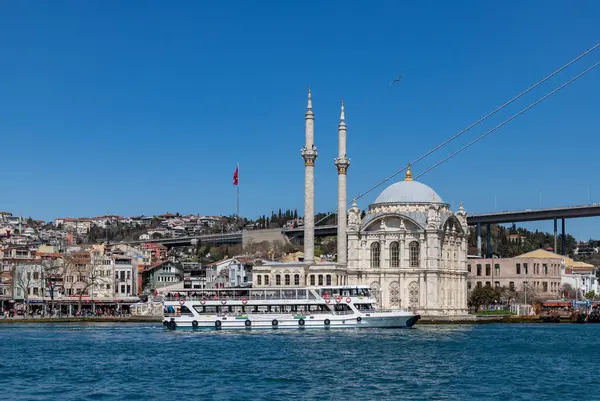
(280, 308)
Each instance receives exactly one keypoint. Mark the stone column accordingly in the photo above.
(309, 154)
(342, 163)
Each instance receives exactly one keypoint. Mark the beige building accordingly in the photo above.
(538, 271)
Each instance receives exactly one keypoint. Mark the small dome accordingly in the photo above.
(408, 192)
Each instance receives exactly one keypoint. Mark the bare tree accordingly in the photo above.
(26, 276)
(82, 272)
(51, 272)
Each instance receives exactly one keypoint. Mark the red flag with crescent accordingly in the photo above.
(235, 176)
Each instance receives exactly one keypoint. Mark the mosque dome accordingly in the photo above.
(408, 191)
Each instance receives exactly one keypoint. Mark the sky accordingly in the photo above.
(146, 107)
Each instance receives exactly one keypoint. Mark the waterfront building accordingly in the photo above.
(581, 277)
(541, 273)
(161, 274)
(194, 276)
(125, 276)
(230, 272)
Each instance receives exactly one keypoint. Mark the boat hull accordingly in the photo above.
(280, 322)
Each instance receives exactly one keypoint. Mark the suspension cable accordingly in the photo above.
(360, 195)
(508, 120)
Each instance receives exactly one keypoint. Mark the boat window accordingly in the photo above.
(363, 307)
(288, 294)
(185, 309)
(237, 308)
(342, 307)
(302, 294)
(206, 309)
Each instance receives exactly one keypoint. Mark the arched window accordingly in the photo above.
(394, 254)
(312, 279)
(413, 250)
(259, 280)
(287, 279)
(278, 279)
(375, 254)
(328, 279)
(266, 279)
(296, 279)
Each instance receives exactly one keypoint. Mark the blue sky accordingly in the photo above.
(144, 107)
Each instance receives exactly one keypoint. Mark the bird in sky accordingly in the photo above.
(396, 80)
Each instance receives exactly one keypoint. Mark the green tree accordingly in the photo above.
(485, 295)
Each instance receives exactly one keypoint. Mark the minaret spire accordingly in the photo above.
(342, 163)
(309, 154)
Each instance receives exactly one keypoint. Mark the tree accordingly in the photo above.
(567, 291)
(83, 271)
(485, 295)
(26, 276)
(51, 271)
(590, 294)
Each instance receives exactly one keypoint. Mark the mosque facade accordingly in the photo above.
(411, 250)
(409, 247)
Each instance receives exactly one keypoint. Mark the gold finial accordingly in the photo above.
(408, 174)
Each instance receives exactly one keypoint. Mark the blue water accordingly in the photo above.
(144, 362)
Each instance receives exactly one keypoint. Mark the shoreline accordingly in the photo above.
(158, 319)
(132, 319)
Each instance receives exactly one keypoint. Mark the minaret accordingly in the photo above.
(342, 163)
(309, 154)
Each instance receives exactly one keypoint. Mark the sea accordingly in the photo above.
(97, 361)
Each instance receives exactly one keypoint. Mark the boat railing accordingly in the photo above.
(275, 295)
(385, 310)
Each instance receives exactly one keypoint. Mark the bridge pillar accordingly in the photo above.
(478, 234)
(555, 236)
(564, 240)
(489, 241)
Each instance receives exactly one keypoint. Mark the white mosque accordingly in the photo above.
(410, 248)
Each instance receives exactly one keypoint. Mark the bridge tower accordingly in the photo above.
(342, 163)
(309, 154)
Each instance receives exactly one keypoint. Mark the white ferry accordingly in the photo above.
(281, 308)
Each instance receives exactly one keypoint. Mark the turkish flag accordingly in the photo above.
(235, 176)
